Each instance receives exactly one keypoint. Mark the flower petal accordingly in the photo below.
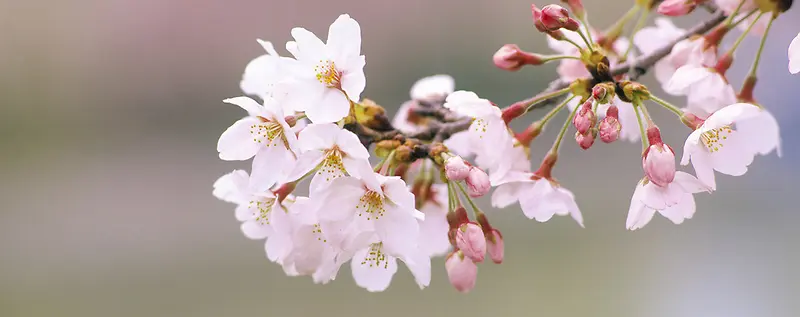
(233, 187)
(318, 136)
(794, 55)
(374, 276)
(236, 143)
(704, 169)
(344, 38)
(354, 80)
(308, 46)
(252, 107)
(333, 106)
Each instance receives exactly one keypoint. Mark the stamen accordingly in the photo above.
(375, 257)
(261, 210)
(267, 132)
(328, 75)
(371, 204)
(714, 139)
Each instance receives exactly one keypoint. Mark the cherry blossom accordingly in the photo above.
(433, 229)
(794, 55)
(332, 151)
(266, 76)
(328, 74)
(263, 134)
(488, 130)
(540, 198)
(693, 51)
(432, 88)
(708, 90)
(728, 140)
(675, 201)
(253, 208)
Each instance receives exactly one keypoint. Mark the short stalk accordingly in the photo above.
(585, 40)
(667, 105)
(754, 67)
(529, 103)
(475, 209)
(729, 20)
(639, 25)
(557, 143)
(585, 21)
(636, 106)
(743, 35)
(546, 59)
(745, 17)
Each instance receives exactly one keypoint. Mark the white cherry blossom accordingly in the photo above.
(373, 267)
(794, 55)
(329, 73)
(707, 90)
(431, 88)
(540, 198)
(675, 201)
(690, 51)
(433, 229)
(263, 134)
(332, 151)
(729, 139)
(266, 76)
(488, 133)
(253, 208)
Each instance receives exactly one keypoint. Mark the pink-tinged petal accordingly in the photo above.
(433, 230)
(360, 169)
(571, 207)
(318, 136)
(233, 187)
(794, 55)
(701, 161)
(344, 38)
(291, 47)
(531, 201)
(728, 115)
(325, 176)
(684, 78)
(236, 143)
(627, 118)
(636, 209)
(309, 46)
(254, 230)
(397, 191)
(278, 247)
(354, 80)
(351, 145)
(332, 107)
(344, 193)
(506, 194)
(420, 266)
(654, 197)
(374, 276)
(681, 211)
(733, 155)
(398, 229)
(305, 163)
(571, 69)
(252, 107)
(688, 184)
(691, 146)
(432, 87)
(710, 94)
(761, 133)
(460, 143)
(268, 47)
(269, 166)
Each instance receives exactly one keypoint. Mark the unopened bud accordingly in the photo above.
(690, 120)
(603, 93)
(471, 241)
(586, 140)
(383, 148)
(576, 6)
(635, 91)
(658, 160)
(585, 118)
(610, 127)
(403, 153)
(495, 246)
(553, 17)
(676, 8)
(456, 169)
(461, 271)
(477, 182)
(511, 58)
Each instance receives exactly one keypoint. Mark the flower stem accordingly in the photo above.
(529, 103)
(546, 59)
(636, 106)
(729, 20)
(743, 35)
(475, 210)
(382, 164)
(754, 67)
(557, 143)
(616, 30)
(552, 113)
(749, 14)
(639, 25)
(585, 21)
(667, 105)
(585, 40)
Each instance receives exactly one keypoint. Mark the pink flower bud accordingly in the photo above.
(477, 182)
(658, 160)
(495, 246)
(585, 118)
(586, 140)
(676, 8)
(609, 129)
(461, 271)
(511, 58)
(456, 169)
(576, 6)
(471, 241)
(553, 17)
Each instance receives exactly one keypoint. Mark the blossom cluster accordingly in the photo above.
(335, 181)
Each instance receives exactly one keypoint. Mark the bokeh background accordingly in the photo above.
(109, 116)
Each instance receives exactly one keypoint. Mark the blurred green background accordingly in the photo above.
(110, 113)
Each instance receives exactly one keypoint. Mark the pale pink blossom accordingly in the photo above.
(794, 55)
(263, 134)
(540, 198)
(332, 151)
(693, 51)
(675, 201)
(471, 241)
(461, 271)
(374, 266)
(328, 74)
(676, 7)
(433, 229)
(729, 139)
(707, 89)
(487, 133)
(433, 88)
(253, 208)
(266, 76)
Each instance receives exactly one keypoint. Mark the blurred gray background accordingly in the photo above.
(110, 113)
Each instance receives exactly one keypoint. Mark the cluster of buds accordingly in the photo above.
(471, 242)
(456, 169)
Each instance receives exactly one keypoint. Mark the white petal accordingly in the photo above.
(683, 210)
(396, 190)
(794, 55)
(332, 107)
(638, 212)
(309, 46)
(704, 170)
(344, 193)
(233, 187)
(689, 183)
(318, 136)
(255, 231)
(344, 38)
(733, 155)
(372, 277)
(354, 80)
(684, 78)
(506, 194)
(420, 266)
(252, 107)
(761, 132)
(236, 143)
(398, 229)
(726, 116)
(305, 163)
(432, 87)
(269, 165)
(350, 144)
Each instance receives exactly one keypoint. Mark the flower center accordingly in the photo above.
(317, 231)
(479, 126)
(267, 132)
(328, 75)
(261, 210)
(375, 257)
(371, 205)
(332, 166)
(714, 139)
